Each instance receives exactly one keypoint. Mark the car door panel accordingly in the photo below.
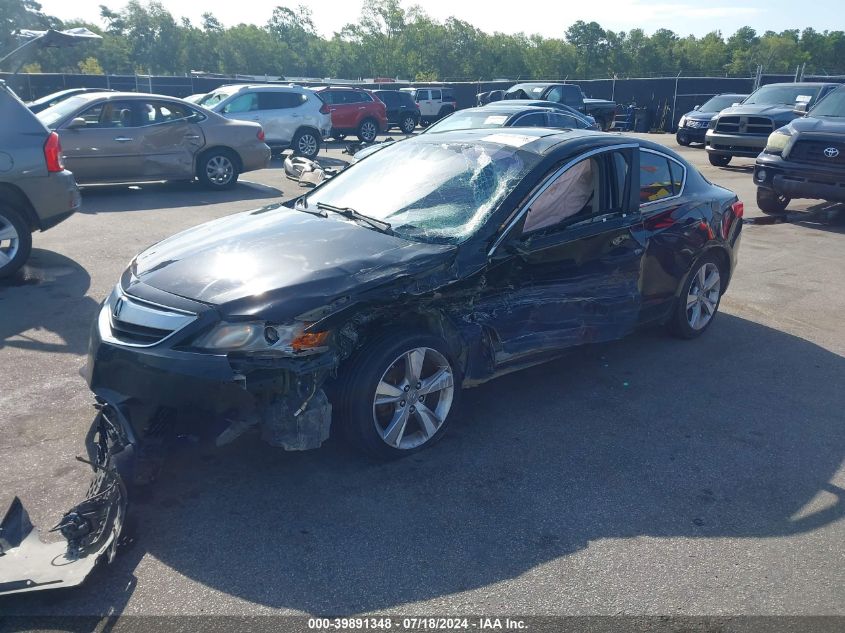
(169, 149)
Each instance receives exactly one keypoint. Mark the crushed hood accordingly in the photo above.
(251, 261)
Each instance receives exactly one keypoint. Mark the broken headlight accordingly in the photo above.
(260, 336)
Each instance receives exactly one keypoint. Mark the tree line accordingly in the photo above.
(390, 40)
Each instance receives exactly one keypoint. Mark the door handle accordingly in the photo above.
(192, 136)
(362, 107)
(123, 139)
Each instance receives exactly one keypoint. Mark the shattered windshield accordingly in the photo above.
(433, 192)
(783, 95)
(213, 98)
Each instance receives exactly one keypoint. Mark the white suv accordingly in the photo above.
(290, 115)
(435, 103)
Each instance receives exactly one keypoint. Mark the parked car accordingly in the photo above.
(805, 159)
(443, 261)
(196, 98)
(50, 100)
(402, 111)
(483, 98)
(583, 121)
(132, 137)
(743, 130)
(502, 115)
(291, 116)
(601, 110)
(354, 111)
(692, 126)
(435, 103)
(36, 191)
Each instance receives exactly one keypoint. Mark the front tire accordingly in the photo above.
(699, 299)
(682, 139)
(367, 131)
(770, 202)
(394, 397)
(719, 160)
(218, 169)
(306, 143)
(15, 241)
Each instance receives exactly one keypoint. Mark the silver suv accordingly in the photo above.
(36, 191)
(290, 115)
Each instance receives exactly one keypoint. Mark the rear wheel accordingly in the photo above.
(719, 160)
(15, 241)
(306, 144)
(409, 122)
(394, 397)
(218, 169)
(367, 131)
(770, 202)
(699, 299)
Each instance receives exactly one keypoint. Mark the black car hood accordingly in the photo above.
(775, 111)
(281, 260)
(700, 115)
(819, 125)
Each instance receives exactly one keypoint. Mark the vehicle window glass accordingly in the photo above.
(54, 115)
(833, 105)
(161, 112)
(362, 97)
(440, 192)
(535, 119)
(555, 94)
(244, 103)
(575, 193)
(110, 114)
(388, 98)
(435, 95)
(619, 178)
(564, 120)
(422, 95)
(268, 100)
(327, 96)
(655, 178)
(677, 177)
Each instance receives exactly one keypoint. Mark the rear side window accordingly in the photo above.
(152, 112)
(244, 103)
(280, 100)
(535, 119)
(327, 96)
(388, 97)
(564, 120)
(435, 94)
(660, 177)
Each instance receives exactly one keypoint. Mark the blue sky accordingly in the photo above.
(547, 17)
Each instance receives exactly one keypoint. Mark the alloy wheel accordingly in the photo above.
(408, 125)
(307, 145)
(368, 130)
(413, 398)
(9, 241)
(219, 170)
(703, 296)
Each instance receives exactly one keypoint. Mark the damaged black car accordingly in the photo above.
(364, 306)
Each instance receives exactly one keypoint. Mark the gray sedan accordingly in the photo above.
(131, 137)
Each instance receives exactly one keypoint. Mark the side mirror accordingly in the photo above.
(76, 123)
(698, 107)
(800, 108)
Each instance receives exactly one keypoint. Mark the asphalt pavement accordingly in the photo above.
(648, 476)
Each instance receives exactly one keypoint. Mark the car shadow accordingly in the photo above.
(649, 436)
(161, 195)
(821, 217)
(40, 297)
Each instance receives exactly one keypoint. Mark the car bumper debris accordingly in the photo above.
(306, 172)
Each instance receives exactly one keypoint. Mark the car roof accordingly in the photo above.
(536, 140)
(113, 96)
(804, 84)
(319, 88)
(512, 109)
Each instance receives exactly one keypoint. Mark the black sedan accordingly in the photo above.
(440, 262)
(692, 127)
(504, 114)
(572, 117)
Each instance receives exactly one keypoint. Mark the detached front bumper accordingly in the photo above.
(746, 145)
(91, 529)
(799, 180)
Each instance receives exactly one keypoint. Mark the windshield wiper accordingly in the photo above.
(352, 214)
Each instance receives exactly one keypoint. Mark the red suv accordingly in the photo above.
(354, 111)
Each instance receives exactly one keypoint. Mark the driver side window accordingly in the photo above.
(574, 193)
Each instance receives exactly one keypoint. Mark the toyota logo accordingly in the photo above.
(831, 152)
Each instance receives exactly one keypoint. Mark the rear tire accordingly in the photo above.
(409, 122)
(367, 131)
(218, 169)
(306, 143)
(770, 202)
(15, 241)
(719, 160)
(698, 301)
(407, 420)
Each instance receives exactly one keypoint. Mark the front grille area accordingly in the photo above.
(132, 321)
(818, 152)
(755, 125)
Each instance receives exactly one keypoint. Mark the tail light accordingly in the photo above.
(738, 209)
(53, 153)
(324, 109)
(260, 135)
